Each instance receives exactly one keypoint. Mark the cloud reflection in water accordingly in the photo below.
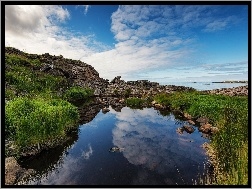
(150, 140)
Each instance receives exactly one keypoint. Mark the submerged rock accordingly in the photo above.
(180, 130)
(191, 122)
(115, 149)
(188, 129)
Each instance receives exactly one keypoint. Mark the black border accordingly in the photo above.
(3, 3)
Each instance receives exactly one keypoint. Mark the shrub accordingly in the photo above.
(36, 121)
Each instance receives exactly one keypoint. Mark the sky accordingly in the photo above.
(166, 43)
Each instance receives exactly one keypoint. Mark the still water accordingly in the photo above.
(152, 152)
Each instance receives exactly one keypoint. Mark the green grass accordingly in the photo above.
(230, 115)
(36, 121)
(37, 111)
(135, 102)
(25, 81)
(77, 93)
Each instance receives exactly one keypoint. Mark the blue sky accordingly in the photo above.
(160, 43)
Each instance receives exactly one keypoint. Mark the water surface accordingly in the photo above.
(153, 153)
(205, 85)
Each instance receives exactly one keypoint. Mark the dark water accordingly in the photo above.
(153, 153)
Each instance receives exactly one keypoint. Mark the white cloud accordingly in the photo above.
(86, 7)
(148, 37)
(36, 29)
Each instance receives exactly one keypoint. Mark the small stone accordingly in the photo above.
(214, 130)
(191, 122)
(206, 128)
(188, 129)
(105, 110)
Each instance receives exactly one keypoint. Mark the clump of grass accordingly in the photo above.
(230, 115)
(135, 102)
(77, 93)
(36, 121)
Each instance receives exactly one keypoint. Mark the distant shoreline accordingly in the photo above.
(230, 82)
(222, 82)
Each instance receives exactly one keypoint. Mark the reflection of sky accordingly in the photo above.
(86, 154)
(153, 152)
(151, 140)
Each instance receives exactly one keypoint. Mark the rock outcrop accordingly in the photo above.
(76, 71)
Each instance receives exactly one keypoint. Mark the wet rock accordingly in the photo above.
(191, 122)
(187, 116)
(105, 110)
(180, 130)
(206, 128)
(188, 129)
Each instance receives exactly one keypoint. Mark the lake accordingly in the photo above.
(152, 152)
(206, 85)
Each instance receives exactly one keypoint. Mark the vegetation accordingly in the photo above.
(127, 93)
(22, 78)
(77, 93)
(36, 121)
(36, 110)
(135, 102)
(230, 115)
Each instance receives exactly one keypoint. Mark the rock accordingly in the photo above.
(46, 67)
(202, 120)
(122, 100)
(116, 79)
(206, 128)
(97, 92)
(187, 116)
(153, 102)
(214, 130)
(105, 110)
(180, 130)
(158, 106)
(188, 129)
(13, 172)
(191, 122)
